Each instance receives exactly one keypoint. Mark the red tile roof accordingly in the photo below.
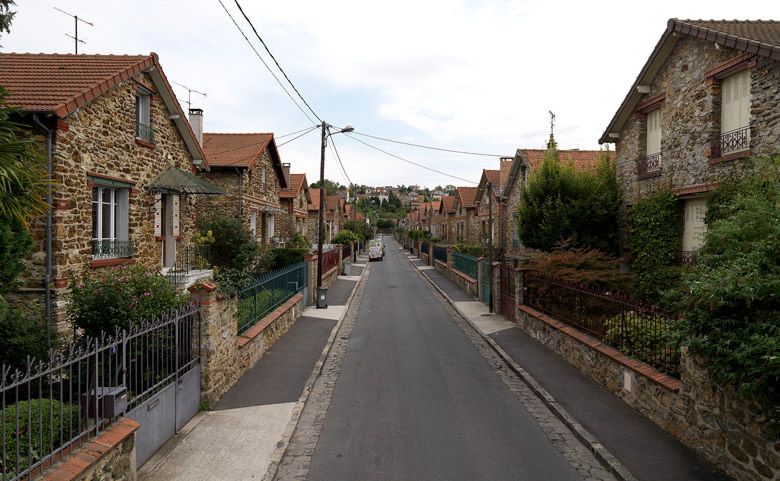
(448, 202)
(467, 196)
(582, 159)
(235, 150)
(734, 32)
(315, 199)
(494, 176)
(61, 83)
(297, 182)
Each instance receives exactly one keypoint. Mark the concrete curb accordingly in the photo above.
(292, 425)
(606, 458)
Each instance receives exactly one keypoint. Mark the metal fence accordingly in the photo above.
(638, 330)
(188, 259)
(440, 253)
(346, 251)
(51, 409)
(466, 264)
(330, 259)
(268, 292)
(424, 248)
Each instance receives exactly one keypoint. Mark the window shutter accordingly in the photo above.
(176, 229)
(744, 99)
(654, 132)
(158, 215)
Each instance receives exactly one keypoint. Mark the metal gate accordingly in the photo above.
(166, 374)
(484, 282)
(507, 305)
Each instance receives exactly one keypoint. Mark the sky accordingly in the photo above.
(467, 75)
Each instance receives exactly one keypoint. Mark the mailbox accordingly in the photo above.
(111, 399)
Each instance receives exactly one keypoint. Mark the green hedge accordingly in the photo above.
(286, 256)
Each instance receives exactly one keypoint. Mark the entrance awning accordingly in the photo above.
(178, 181)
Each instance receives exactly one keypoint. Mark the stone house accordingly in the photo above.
(465, 219)
(122, 156)
(446, 214)
(514, 173)
(705, 101)
(484, 198)
(295, 201)
(334, 215)
(248, 168)
(313, 215)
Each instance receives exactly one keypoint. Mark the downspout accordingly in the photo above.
(49, 200)
(240, 199)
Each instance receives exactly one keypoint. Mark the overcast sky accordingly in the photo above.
(466, 75)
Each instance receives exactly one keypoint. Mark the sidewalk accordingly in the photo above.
(643, 448)
(238, 437)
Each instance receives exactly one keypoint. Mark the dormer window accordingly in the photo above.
(143, 115)
(734, 114)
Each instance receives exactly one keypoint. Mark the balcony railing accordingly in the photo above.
(737, 140)
(144, 132)
(685, 258)
(189, 259)
(111, 249)
(649, 165)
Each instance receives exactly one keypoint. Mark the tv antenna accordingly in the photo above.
(76, 20)
(552, 123)
(189, 93)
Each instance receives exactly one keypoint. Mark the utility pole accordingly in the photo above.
(490, 244)
(321, 221)
(75, 36)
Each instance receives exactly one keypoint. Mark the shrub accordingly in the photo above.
(731, 297)
(419, 234)
(641, 335)
(21, 337)
(360, 228)
(385, 224)
(475, 250)
(581, 265)
(47, 418)
(105, 299)
(287, 256)
(345, 237)
(233, 246)
(298, 241)
(231, 281)
(655, 237)
(15, 244)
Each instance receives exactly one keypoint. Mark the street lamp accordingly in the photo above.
(321, 301)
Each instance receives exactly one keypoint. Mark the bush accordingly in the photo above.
(385, 224)
(419, 234)
(287, 256)
(298, 241)
(21, 337)
(345, 237)
(231, 281)
(15, 244)
(233, 246)
(105, 299)
(731, 297)
(360, 228)
(563, 203)
(581, 265)
(655, 237)
(475, 250)
(641, 335)
(47, 418)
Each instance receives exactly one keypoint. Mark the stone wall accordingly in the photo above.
(690, 120)
(711, 419)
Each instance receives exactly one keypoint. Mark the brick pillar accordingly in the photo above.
(311, 264)
(430, 253)
(480, 276)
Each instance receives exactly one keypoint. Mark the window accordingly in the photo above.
(110, 221)
(654, 132)
(143, 115)
(694, 227)
(253, 223)
(734, 114)
(270, 223)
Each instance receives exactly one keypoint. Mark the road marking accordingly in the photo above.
(332, 312)
(349, 278)
(425, 268)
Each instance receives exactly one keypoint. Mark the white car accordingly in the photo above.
(376, 250)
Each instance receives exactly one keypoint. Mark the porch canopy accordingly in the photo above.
(178, 181)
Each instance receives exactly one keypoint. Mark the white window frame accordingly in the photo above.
(735, 114)
(119, 215)
(694, 228)
(253, 223)
(270, 222)
(143, 107)
(653, 132)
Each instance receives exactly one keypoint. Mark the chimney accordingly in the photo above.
(196, 122)
(286, 169)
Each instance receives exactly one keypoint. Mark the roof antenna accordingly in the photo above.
(76, 20)
(551, 142)
(189, 93)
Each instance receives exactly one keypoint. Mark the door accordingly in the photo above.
(507, 305)
(169, 237)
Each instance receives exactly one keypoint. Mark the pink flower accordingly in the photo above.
(147, 294)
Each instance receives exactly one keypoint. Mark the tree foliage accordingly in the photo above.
(15, 244)
(561, 203)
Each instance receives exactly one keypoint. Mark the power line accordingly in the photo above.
(297, 132)
(275, 61)
(409, 161)
(429, 147)
(266, 65)
(255, 146)
(338, 158)
(298, 136)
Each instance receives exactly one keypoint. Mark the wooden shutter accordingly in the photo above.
(735, 102)
(743, 98)
(175, 216)
(158, 215)
(694, 228)
(654, 132)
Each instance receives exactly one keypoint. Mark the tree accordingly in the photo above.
(331, 187)
(394, 200)
(6, 15)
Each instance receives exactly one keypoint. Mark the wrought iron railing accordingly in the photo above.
(51, 408)
(111, 249)
(639, 330)
(685, 258)
(188, 259)
(466, 264)
(736, 140)
(440, 253)
(649, 164)
(144, 132)
(268, 292)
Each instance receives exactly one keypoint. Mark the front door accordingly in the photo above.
(169, 238)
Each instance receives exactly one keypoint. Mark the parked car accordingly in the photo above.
(376, 250)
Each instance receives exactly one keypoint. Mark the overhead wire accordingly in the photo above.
(298, 136)
(266, 65)
(338, 158)
(429, 147)
(409, 161)
(275, 61)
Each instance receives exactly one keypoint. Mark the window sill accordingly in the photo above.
(144, 143)
(649, 175)
(117, 261)
(732, 156)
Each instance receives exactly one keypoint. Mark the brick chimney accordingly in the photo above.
(286, 169)
(196, 122)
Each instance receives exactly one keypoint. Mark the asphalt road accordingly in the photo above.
(415, 400)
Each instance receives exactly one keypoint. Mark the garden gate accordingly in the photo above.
(507, 305)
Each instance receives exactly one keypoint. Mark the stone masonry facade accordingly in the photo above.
(690, 106)
(98, 141)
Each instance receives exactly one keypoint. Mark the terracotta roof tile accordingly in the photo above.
(448, 202)
(582, 159)
(315, 199)
(297, 181)
(239, 150)
(467, 195)
(60, 83)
